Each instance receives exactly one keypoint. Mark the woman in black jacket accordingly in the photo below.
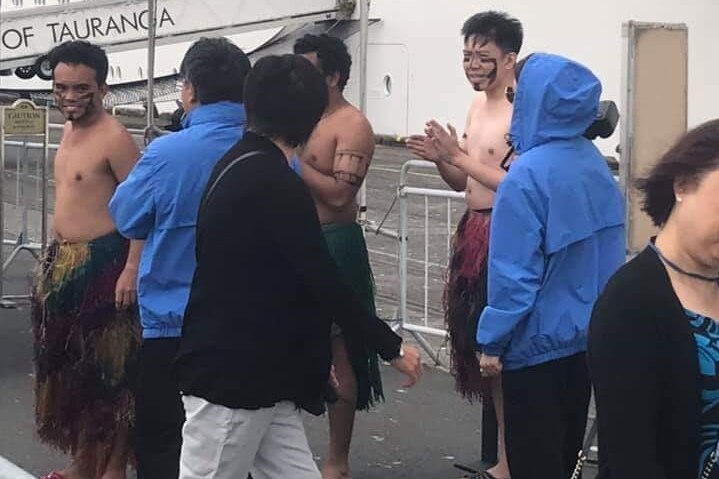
(654, 337)
(255, 345)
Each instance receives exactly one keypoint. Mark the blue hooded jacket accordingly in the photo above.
(159, 201)
(557, 230)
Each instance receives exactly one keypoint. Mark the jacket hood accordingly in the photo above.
(556, 99)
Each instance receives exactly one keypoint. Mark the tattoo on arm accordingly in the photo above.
(350, 166)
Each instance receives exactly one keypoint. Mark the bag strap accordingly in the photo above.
(585, 447)
(706, 472)
(211, 189)
(709, 467)
(224, 171)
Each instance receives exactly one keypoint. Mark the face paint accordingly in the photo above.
(77, 92)
(75, 105)
(480, 67)
(492, 75)
(482, 81)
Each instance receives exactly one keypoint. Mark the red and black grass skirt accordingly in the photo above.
(465, 296)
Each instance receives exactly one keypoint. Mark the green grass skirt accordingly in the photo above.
(348, 249)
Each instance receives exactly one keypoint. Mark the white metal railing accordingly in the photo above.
(23, 240)
(26, 172)
(405, 192)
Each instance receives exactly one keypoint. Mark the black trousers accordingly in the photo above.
(545, 412)
(159, 411)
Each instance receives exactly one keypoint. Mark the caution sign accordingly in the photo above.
(24, 118)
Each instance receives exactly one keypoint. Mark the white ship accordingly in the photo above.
(414, 68)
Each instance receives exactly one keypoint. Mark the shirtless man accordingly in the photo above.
(333, 164)
(476, 164)
(84, 323)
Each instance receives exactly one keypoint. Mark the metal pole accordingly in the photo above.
(426, 260)
(24, 174)
(45, 156)
(403, 233)
(364, 34)
(2, 203)
(627, 127)
(151, 34)
(449, 230)
(17, 179)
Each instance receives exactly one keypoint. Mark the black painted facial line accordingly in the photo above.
(492, 75)
(84, 101)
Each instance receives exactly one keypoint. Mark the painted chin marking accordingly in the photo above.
(75, 113)
(480, 85)
(79, 112)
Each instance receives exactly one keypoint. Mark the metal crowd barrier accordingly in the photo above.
(409, 322)
(405, 191)
(24, 240)
(26, 170)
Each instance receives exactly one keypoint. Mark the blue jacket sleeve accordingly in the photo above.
(516, 262)
(133, 205)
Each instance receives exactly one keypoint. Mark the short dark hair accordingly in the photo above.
(687, 162)
(216, 68)
(80, 52)
(498, 27)
(285, 97)
(331, 52)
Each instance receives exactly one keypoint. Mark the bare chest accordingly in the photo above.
(320, 150)
(82, 165)
(487, 137)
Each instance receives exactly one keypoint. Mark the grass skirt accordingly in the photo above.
(465, 297)
(348, 249)
(84, 349)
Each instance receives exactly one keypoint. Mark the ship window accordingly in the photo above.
(387, 85)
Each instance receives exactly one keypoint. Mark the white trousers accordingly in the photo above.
(223, 443)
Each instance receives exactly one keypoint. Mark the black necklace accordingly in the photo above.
(678, 269)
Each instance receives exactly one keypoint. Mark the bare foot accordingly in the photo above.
(72, 472)
(499, 471)
(114, 474)
(334, 472)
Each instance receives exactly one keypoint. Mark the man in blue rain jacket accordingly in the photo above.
(159, 202)
(557, 236)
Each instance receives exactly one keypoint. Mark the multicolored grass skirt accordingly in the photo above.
(348, 249)
(465, 296)
(84, 349)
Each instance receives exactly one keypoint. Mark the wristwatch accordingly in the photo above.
(400, 354)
